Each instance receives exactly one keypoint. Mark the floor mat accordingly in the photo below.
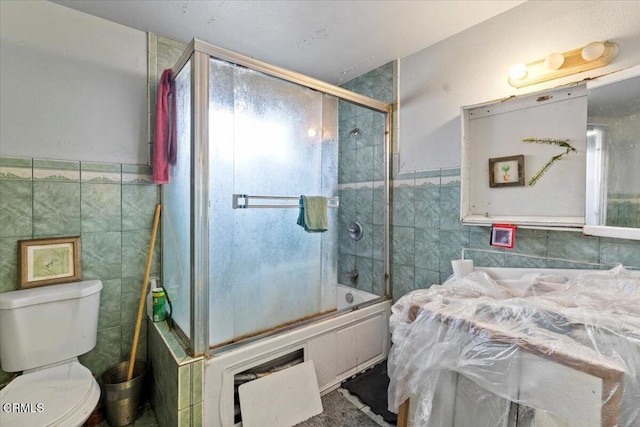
(371, 388)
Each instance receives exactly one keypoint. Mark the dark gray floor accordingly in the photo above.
(338, 411)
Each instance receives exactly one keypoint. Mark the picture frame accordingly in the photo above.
(49, 261)
(503, 235)
(506, 171)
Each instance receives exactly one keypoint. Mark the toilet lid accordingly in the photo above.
(46, 395)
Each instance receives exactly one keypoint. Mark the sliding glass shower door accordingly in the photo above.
(176, 210)
(253, 134)
(267, 137)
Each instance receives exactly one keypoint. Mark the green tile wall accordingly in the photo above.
(423, 246)
(623, 210)
(361, 185)
(176, 380)
(111, 207)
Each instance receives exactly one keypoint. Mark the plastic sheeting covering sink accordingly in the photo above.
(567, 348)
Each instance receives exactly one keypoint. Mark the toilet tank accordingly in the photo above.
(49, 324)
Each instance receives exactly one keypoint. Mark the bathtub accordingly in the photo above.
(349, 297)
(340, 346)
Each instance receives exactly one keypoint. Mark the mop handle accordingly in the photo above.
(145, 285)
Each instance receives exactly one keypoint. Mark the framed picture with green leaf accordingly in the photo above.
(506, 171)
(49, 261)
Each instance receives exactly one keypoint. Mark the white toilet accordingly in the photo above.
(42, 333)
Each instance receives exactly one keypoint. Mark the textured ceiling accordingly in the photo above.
(332, 40)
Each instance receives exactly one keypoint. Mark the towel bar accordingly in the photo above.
(241, 201)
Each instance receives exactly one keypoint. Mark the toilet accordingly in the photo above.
(42, 332)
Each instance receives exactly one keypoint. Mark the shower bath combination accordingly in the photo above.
(239, 273)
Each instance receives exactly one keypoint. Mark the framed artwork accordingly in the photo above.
(49, 261)
(503, 235)
(506, 171)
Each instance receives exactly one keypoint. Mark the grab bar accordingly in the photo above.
(241, 201)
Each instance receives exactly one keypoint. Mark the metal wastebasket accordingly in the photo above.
(122, 398)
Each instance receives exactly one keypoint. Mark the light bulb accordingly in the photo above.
(554, 61)
(592, 51)
(518, 72)
(312, 132)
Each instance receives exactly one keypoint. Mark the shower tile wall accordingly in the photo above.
(111, 207)
(623, 210)
(426, 233)
(361, 181)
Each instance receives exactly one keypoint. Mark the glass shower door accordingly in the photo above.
(274, 138)
(176, 211)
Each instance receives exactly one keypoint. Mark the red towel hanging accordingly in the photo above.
(165, 136)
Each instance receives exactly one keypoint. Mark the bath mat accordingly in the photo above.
(371, 388)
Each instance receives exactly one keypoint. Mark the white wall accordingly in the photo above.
(472, 67)
(73, 86)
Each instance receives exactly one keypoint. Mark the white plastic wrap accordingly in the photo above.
(566, 351)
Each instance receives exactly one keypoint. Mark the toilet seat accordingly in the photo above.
(63, 394)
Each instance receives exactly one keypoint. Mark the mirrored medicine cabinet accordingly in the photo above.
(593, 187)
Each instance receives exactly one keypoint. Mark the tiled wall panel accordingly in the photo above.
(111, 206)
(176, 380)
(361, 181)
(422, 251)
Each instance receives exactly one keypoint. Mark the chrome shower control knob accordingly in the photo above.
(355, 231)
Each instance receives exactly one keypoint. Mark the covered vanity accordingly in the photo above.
(534, 347)
(519, 347)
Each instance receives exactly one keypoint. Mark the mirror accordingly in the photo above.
(613, 155)
(492, 137)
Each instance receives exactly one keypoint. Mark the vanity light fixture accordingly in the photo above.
(517, 72)
(556, 65)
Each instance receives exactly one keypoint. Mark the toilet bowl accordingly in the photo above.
(42, 333)
(61, 395)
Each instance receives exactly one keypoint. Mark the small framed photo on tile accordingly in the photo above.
(49, 261)
(506, 171)
(503, 235)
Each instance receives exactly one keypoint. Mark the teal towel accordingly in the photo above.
(313, 214)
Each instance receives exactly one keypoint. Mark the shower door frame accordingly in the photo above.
(199, 52)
